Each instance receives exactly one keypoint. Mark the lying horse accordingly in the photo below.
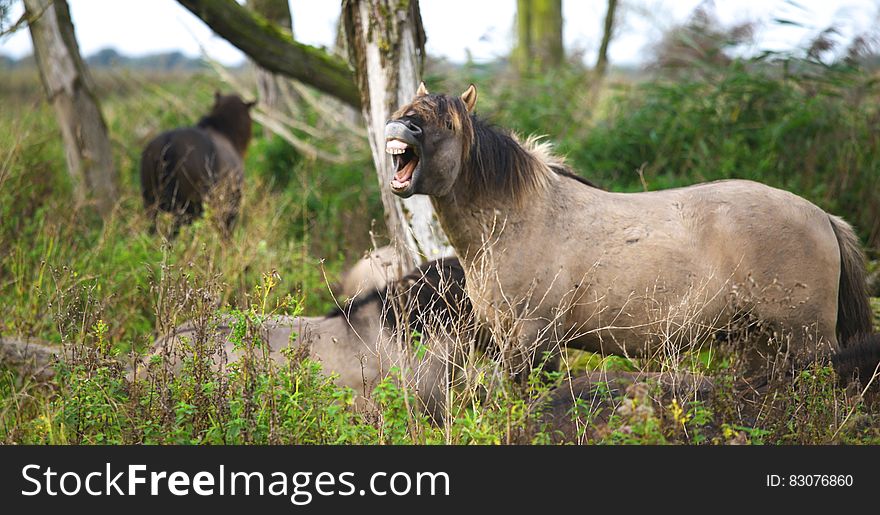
(552, 261)
(361, 342)
(183, 168)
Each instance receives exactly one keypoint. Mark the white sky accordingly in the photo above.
(455, 27)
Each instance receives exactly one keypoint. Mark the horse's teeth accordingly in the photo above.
(395, 147)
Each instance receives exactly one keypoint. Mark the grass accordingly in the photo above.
(105, 289)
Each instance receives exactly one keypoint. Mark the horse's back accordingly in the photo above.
(739, 221)
(731, 220)
(707, 252)
(735, 199)
(757, 231)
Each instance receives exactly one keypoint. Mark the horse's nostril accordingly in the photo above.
(415, 129)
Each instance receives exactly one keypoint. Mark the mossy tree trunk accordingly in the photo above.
(70, 90)
(538, 36)
(385, 41)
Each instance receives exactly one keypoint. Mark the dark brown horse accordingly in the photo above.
(183, 168)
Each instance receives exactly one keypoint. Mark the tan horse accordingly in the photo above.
(551, 261)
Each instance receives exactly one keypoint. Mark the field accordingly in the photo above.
(106, 289)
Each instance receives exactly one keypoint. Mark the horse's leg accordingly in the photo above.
(535, 346)
(193, 211)
(431, 376)
(229, 224)
(175, 227)
(231, 215)
(151, 202)
(152, 213)
(788, 320)
(810, 341)
(190, 212)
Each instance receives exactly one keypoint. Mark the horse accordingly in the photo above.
(551, 261)
(184, 168)
(363, 341)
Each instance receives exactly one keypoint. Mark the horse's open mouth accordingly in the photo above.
(405, 159)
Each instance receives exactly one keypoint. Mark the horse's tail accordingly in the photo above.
(854, 316)
(859, 355)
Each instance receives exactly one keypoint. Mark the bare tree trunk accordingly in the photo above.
(386, 47)
(70, 90)
(602, 60)
(272, 89)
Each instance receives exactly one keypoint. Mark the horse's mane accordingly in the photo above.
(543, 151)
(356, 304)
(499, 160)
(571, 174)
(430, 294)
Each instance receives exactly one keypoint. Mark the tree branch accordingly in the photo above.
(276, 51)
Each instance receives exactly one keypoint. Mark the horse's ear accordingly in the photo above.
(423, 90)
(469, 97)
(217, 96)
